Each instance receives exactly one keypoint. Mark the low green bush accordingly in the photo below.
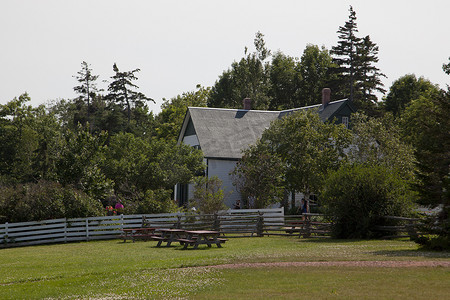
(358, 197)
(434, 242)
(45, 200)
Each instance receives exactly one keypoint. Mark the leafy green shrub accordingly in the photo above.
(152, 202)
(434, 242)
(208, 195)
(437, 228)
(357, 197)
(45, 200)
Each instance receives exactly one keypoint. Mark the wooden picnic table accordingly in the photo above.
(169, 236)
(144, 233)
(199, 237)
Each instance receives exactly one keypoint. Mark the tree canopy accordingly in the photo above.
(406, 89)
(296, 151)
(173, 111)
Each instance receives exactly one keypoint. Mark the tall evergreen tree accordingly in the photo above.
(345, 54)
(446, 67)
(122, 90)
(368, 74)
(357, 76)
(88, 87)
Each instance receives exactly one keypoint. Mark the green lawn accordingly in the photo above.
(116, 270)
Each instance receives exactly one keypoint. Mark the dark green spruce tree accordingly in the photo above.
(87, 88)
(368, 74)
(344, 55)
(357, 77)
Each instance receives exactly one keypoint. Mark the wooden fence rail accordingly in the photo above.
(232, 223)
(228, 222)
(401, 227)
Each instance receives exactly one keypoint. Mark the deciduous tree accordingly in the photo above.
(378, 141)
(18, 139)
(307, 148)
(208, 195)
(173, 111)
(259, 177)
(316, 70)
(248, 78)
(407, 89)
(79, 162)
(285, 80)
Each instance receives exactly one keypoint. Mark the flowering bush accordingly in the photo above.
(110, 211)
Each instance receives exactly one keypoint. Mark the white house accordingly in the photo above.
(223, 133)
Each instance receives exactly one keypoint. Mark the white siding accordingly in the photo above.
(298, 199)
(190, 191)
(222, 169)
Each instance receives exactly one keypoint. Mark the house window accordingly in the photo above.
(345, 121)
(182, 194)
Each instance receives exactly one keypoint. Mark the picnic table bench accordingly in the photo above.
(144, 233)
(169, 236)
(202, 237)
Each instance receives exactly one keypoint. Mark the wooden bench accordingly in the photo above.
(137, 234)
(158, 238)
(187, 241)
(221, 240)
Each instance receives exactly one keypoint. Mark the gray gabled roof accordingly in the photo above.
(325, 114)
(224, 133)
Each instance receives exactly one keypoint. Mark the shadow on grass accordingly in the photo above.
(412, 253)
(329, 240)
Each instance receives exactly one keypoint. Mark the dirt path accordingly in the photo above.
(388, 264)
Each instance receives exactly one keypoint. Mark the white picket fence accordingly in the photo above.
(98, 228)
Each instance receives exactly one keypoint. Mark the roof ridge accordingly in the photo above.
(266, 111)
(235, 109)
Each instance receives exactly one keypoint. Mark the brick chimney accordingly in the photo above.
(247, 103)
(326, 96)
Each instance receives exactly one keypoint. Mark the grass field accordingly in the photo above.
(116, 270)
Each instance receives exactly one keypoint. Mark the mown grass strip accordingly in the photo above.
(141, 270)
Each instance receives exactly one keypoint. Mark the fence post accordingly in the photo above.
(6, 233)
(259, 224)
(65, 230)
(178, 223)
(87, 229)
(216, 222)
(121, 222)
(411, 228)
(307, 227)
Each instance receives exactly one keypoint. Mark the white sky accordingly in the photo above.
(179, 44)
